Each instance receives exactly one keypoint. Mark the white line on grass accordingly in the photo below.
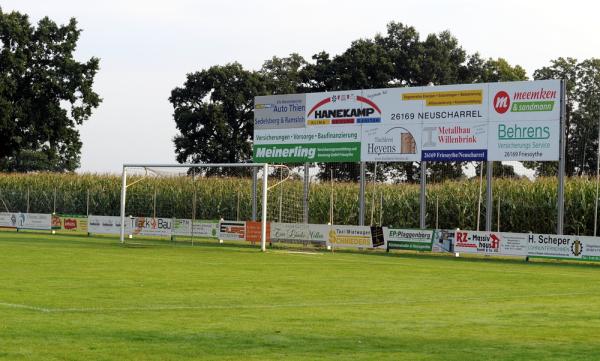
(403, 302)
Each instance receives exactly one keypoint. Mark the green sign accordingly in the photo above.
(306, 152)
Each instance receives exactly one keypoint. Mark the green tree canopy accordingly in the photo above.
(44, 94)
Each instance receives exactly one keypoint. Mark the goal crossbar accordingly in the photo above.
(264, 166)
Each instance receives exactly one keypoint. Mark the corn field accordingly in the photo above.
(520, 205)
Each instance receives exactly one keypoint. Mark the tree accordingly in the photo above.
(213, 113)
(581, 118)
(44, 94)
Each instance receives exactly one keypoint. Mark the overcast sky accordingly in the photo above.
(146, 48)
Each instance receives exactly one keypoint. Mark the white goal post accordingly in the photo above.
(256, 166)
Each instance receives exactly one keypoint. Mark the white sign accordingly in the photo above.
(148, 226)
(299, 232)
(183, 227)
(280, 111)
(463, 122)
(8, 220)
(232, 230)
(391, 143)
(36, 221)
(107, 224)
(491, 243)
(524, 140)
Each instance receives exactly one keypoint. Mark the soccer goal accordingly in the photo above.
(226, 201)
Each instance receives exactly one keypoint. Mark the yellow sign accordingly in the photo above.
(447, 98)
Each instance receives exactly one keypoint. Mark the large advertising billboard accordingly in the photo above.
(466, 122)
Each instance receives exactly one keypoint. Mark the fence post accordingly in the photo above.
(361, 196)
(561, 160)
(423, 195)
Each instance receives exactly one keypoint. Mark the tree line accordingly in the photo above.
(45, 93)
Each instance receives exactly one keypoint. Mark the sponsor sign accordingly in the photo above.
(107, 224)
(8, 220)
(232, 230)
(409, 239)
(281, 111)
(341, 108)
(564, 246)
(391, 143)
(351, 236)
(525, 101)
(197, 228)
(340, 144)
(70, 223)
(299, 232)
(464, 122)
(148, 226)
(443, 240)
(491, 243)
(524, 140)
(454, 141)
(35, 221)
(254, 231)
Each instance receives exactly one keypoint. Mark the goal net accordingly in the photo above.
(225, 202)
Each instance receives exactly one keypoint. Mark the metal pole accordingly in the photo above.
(373, 195)
(87, 203)
(263, 231)
(123, 194)
(54, 203)
(479, 198)
(361, 196)
(561, 160)
(306, 187)
(27, 200)
(489, 203)
(597, 177)
(254, 198)
(423, 194)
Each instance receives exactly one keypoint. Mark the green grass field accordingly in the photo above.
(80, 298)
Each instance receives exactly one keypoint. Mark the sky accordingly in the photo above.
(146, 48)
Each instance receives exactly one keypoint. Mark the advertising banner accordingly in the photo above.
(391, 143)
(232, 230)
(198, 228)
(524, 140)
(8, 220)
(491, 243)
(463, 122)
(454, 141)
(254, 231)
(351, 237)
(148, 226)
(35, 221)
(280, 111)
(299, 233)
(409, 239)
(339, 144)
(70, 223)
(107, 224)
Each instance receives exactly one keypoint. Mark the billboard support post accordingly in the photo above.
(561, 160)
(361, 196)
(254, 200)
(305, 192)
(423, 195)
(489, 201)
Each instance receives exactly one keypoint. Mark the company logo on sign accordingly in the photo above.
(501, 102)
(366, 111)
(541, 100)
(576, 247)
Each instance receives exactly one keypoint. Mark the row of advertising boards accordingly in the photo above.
(510, 121)
(335, 236)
